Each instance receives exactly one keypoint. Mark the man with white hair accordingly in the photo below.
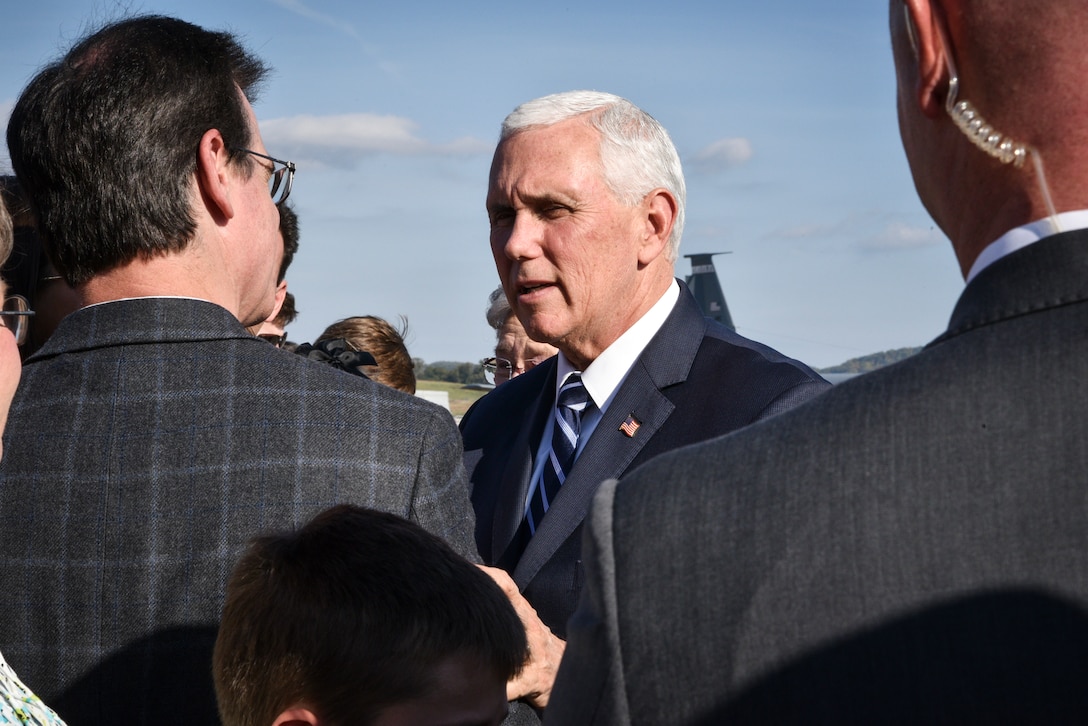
(586, 203)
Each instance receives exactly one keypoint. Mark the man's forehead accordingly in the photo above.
(544, 155)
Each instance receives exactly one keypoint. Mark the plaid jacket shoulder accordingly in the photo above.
(148, 441)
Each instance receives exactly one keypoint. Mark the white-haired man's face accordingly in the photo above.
(566, 249)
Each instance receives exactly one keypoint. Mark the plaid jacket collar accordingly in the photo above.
(141, 320)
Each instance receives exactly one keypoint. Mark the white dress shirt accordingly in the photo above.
(602, 378)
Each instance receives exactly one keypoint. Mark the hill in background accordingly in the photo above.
(873, 361)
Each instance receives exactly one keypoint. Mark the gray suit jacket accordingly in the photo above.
(696, 379)
(149, 440)
(911, 547)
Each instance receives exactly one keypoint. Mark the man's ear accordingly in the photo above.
(927, 26)
(281, 294)
(213, 178)
(297, 716)
(660, 210)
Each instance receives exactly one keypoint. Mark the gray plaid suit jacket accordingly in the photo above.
(149, 440)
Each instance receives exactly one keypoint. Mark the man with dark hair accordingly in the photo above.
(152, 435)
(912, 547)
(361, 617)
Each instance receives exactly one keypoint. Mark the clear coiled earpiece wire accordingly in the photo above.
(983, 135)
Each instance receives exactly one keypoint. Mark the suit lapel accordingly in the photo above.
(606, 456)
(665, 362)
(510, 507)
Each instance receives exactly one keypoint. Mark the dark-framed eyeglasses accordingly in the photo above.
(497, 370)
(278, 186)
(16, 317)
(276, 340)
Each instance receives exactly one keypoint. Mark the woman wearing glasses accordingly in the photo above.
(18, 705)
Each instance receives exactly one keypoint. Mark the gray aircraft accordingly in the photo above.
(704, 285)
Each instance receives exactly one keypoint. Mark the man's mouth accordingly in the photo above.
(531, 287)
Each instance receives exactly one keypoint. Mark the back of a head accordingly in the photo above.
(637, 154)
(350, 615)
(117, 184)
(369, 334)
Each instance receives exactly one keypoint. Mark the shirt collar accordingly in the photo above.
(1021, 237)
(605, 374)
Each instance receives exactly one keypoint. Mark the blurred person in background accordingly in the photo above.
(515, 351)
(273, 328)
(369, 334)
(29, 273)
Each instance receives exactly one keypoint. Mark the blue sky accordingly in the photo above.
(783, 112)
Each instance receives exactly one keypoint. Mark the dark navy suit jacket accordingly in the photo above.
(695, 380)
(911, 547)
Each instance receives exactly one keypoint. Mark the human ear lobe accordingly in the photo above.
(212, 177)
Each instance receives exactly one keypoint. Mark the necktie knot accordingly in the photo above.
(571, 403)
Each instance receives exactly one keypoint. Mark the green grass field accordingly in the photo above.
(460, 397)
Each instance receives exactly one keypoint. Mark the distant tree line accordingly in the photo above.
(871, 362)
(449, 371)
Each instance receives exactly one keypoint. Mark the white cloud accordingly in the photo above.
(898, 235)
(807, 231)
(723, 154)
(344, 138)
(300, 8)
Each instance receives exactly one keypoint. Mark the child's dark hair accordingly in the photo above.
(351, 614)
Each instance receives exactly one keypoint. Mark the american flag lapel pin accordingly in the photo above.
(630, 426)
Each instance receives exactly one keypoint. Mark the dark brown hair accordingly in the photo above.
(351, 614)
(104, 141)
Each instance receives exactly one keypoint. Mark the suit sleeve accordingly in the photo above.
(794, 397)
(590, 688)
(440, 498)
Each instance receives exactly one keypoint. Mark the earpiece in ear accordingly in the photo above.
(970, 121)
(984, 136)
(981, 134)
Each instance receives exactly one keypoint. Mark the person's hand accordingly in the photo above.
(534, 683)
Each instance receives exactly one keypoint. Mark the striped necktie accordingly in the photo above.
(569, 406)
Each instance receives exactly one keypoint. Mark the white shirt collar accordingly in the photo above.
(1021, 237)
(150, 297)
(605, 374)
